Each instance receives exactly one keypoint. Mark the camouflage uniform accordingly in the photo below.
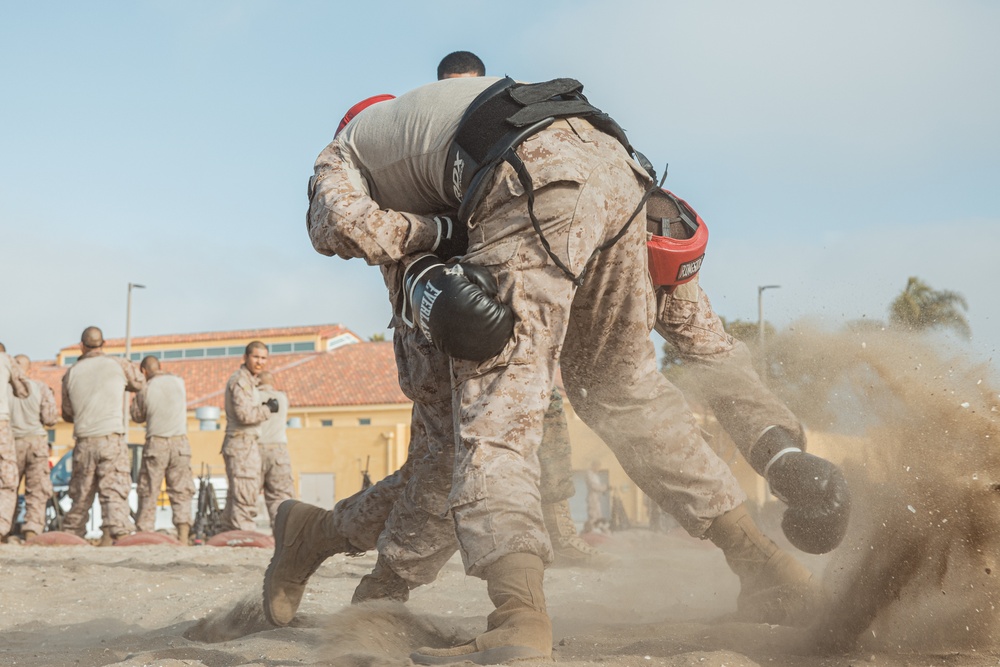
(276, 465)
(371, 193)
(93, 401)
(30, 417)
(244, 414)
(162, 404)
(555, 457)
(724, 373)
(10, 374)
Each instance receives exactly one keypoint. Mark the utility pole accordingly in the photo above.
(760, 327)
(128, 346)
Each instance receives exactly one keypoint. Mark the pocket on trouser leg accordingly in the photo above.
(8, 473)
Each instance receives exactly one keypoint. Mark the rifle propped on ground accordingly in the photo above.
(208, 518)
(366, 481)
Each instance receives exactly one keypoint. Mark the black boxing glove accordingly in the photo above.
(272, 404)
(455, 307)
(452, 237)
(816, 491)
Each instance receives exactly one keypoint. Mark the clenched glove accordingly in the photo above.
(452, 237)
(455, 307)
(816, 491)
(272, 404)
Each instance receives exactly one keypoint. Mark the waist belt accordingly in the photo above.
(499, 120)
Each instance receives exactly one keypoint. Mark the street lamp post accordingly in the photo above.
(128, 346)
(128, 320)
(760, 325)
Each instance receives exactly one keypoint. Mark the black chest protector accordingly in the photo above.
(499, 120)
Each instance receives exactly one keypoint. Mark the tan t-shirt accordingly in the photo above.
(35, 412)
(162, 404)
(272, 431)
(94, 394)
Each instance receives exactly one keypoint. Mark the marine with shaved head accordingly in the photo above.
(30, 417)
(93, 400)
(162, 405)
(10, 374)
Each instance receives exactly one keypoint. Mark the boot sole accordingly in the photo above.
(491, 656)
(280, 519)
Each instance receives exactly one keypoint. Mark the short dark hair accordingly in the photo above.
(150, 363)
(92, 338)
(461, 62)
(254, 345)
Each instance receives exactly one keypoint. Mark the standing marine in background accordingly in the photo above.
(30, 417)
(162, 404)
(276, 464)
(93, 400)
(245, 412)
(12, 375)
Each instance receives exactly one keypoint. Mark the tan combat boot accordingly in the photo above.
(569, 548)
(382, 584)
(304, 536)
(28, 534)
(184, 533)
(774, 587)
(519, 627)
(106, 539)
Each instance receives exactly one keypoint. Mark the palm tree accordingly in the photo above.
(919, 307)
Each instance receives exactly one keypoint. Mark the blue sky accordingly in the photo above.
(833, 148)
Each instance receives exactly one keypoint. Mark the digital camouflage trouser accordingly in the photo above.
(276, 476)
(33, 465)
(168, 458)
(101, 468)
(8, 477)
(242, 457)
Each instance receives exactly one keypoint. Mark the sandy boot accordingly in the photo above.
(774, 587)
(518, 628)
(382, 584)
(28, 534)
(106, 539)
(304, 536)
(569, 548)
(184, 534)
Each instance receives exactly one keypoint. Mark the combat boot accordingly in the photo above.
(184, 533)
(519, 628)
(381, 584)
(774, 587)
(106, 539)
(304, 536)
(569, 548)
(28, 534)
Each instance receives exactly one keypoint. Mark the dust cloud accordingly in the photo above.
(917, 570)
(246, 617)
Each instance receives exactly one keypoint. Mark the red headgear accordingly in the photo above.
(359, 107)
(680, 236)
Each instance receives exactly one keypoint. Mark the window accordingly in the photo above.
(197, 352)
(173, 354)
(278, 348)
(52, 435)
(69, 361)
(304, 347)
(236, 351)
(136, 356)
(365, 421)
(326, 422)
(216, 351)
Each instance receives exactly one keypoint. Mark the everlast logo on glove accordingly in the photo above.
(455, 307)
(430, 295)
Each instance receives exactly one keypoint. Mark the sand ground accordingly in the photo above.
(664, 603)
